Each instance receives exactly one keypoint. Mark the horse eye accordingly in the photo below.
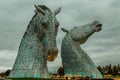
(45, 24)
(57, 24)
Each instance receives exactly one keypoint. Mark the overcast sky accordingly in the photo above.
(103, 47)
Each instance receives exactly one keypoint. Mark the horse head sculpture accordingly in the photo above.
(48, 30)
(81, 34)
(38, 45)
(74, 59)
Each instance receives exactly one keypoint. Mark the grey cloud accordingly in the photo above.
(7, 58)
(115, 4)
(107, 58)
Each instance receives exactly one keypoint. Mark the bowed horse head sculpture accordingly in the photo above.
(74, 59)
(38, 45)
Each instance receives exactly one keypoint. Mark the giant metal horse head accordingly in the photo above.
(74, 59)
(47, 27)
(38, 45)
(81, 34)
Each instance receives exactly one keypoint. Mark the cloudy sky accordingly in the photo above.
(103, 47)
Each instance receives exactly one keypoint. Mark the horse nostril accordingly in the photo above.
(50, 52)
(99, 25)
(56, 51)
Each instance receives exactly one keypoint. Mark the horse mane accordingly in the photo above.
(64, 30)
(41, 6)
(44, 7)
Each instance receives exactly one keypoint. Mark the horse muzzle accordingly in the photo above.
(51, 54)
(98, 28)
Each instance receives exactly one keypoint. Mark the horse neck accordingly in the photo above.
(31, 33)
(68, 41)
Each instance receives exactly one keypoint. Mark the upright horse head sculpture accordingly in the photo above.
(38, 45)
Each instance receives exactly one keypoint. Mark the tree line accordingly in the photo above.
(6, 73)
(110, 69)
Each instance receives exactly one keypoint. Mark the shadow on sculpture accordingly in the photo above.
(37, 46)
(75, 60)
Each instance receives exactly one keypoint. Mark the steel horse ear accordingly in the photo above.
(37, 46)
